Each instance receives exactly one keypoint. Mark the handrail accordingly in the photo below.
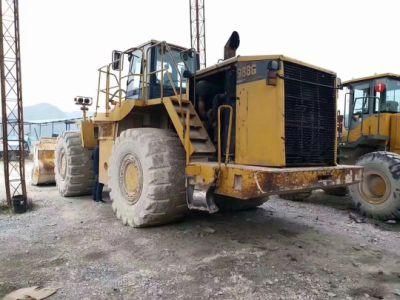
(348, 117)
(187, 137)
(115, 90)
(112, 90)
(165, 46)
(379, 114)
(98, 95)
(228, 143)
(108, 90)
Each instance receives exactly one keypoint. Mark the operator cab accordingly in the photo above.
(370, 96)
(155, 69)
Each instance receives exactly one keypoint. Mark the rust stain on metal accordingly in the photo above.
(262, 181)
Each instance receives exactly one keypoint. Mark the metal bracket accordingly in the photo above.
(201, 197)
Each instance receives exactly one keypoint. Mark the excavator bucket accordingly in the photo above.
(43, 161)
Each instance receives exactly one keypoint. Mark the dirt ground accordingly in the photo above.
(282, 250)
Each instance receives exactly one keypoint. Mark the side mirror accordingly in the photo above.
(339, 84)
(185, 55)
(117, 60)
(187, 74)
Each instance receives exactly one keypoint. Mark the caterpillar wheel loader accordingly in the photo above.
(369, 136)
(172, 137)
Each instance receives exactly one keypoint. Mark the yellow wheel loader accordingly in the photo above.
(370, 137)
(172, 137)
(43, 162)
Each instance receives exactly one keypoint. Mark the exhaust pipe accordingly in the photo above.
(232, 45)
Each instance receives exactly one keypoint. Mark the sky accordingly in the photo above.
(63, 43)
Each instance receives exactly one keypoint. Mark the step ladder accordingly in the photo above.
(199, 144)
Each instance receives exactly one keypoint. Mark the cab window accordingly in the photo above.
(360, 103)
(134, 79)
(390, 99)
(167, 72)
(361, 99)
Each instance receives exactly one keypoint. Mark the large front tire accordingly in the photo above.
(378, 195)
(147, 177)
(73, 166)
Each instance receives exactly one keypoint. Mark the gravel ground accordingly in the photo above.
(283, 250)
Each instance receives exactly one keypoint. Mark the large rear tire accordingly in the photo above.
(73, 166)
(378, 195)
(147, 177)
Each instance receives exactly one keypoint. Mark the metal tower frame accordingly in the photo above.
(198, 29)
(11, 103)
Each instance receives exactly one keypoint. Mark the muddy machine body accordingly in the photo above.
(173, 138)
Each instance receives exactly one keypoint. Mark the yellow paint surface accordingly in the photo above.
(370, 127)
(247, 182)
(260, 128)
(105, 155)
(395, 133)
(87, 134)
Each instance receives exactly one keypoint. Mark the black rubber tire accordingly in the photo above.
(296, 196)
(388, 165)
(339, 191)
(225, 204)
(76, 178)
(160, 159)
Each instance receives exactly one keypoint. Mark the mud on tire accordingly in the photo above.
(378, 195)
(73, 166)
(147, 177)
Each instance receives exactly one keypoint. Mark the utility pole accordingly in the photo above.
(11, 105)
(198, 29)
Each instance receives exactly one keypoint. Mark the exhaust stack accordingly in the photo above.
(232, 45)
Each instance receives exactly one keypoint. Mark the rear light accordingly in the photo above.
(380, 87)
(272, 72)
(272, 77)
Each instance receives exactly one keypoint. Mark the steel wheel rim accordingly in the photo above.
(375, 187)
(131, 178)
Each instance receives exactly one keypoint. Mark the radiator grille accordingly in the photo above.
(310, 116)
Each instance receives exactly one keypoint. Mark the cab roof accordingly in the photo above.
(153, 42)
(260, 57)
(369, 78)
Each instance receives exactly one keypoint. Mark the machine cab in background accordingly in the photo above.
(372, 110)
